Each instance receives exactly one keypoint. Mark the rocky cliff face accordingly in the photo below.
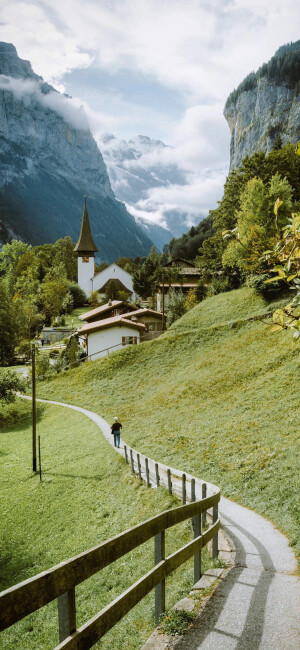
(259, 116)
(265, 108)
(48, 162)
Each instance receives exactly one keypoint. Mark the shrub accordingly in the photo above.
(268, 291)
(176, 306)
(10, 381)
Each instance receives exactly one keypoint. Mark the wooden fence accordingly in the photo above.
(60, 581)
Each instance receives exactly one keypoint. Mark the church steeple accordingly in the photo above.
(85, 244)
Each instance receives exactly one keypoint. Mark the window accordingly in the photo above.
(129, 340)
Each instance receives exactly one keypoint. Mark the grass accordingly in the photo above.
(217, 395)
(87, 495)
(74, 316)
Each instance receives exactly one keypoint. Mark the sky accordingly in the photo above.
(161, 68)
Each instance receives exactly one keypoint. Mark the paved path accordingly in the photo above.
(256, 606)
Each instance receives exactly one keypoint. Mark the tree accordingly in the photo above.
(9, 258)
(191, 299)
(54, 290)
(11, 324)
(257, 225)
(176, 306)
(10, 382)
(285, 259)
(64, 253)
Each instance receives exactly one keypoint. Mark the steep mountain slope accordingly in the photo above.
(266, 105)
(215, 395)
(48, 161)
(136, 167)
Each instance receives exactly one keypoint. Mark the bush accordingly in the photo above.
(201, 290)
(10, 381)
(78, 295)
(268, 291)
(19, 411)
(176, 306)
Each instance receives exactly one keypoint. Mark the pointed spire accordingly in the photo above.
(85, 242)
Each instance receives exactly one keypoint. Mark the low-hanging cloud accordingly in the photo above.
(30, 91)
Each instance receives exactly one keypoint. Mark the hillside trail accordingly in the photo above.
(256, 605)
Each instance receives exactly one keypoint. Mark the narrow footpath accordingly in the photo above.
(256, 605)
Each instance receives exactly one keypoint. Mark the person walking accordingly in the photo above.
(115, 429)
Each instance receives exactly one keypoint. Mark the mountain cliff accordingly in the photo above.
(265, 108)
(135, 168)
(48, 162)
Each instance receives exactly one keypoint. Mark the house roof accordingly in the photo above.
(191, 285)
(115, 321)
(180, 259)
(103, 308)
(118, 285)
(85, 242)
(143, 312)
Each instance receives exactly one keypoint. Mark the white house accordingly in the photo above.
(87, 280)
(110, 334)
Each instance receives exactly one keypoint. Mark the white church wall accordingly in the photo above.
(106, 341)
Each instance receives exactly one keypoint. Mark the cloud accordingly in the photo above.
(193, 52)
(30, 91)
(192, 200)
(200, 48)
(49, 45)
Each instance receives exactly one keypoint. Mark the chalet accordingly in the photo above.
(187, 278)
(104, 326)
(87, 280)
(109, 334)
(153, 321)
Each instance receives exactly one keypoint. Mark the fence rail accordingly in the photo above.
(60, 581)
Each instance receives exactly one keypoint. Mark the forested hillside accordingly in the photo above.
(283, 67)
(248, 202)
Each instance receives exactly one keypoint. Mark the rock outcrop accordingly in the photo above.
(48, 162)
(265, 107)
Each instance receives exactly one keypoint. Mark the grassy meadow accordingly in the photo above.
(87, 495)
(216, 395)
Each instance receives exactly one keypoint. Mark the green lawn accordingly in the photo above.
(87, 495)
(217, 395)
(74, 316)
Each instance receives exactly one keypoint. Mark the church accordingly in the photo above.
(87, 279)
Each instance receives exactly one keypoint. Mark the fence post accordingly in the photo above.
(125, 454)
(169, 481)
(196, 521)
(132, 461)
(160, 591)
(66, 614)
(183, 489)
(40, 460)
(215, 538)
(204, 492)
(139, 466)
(147, 472)
(157, 475)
